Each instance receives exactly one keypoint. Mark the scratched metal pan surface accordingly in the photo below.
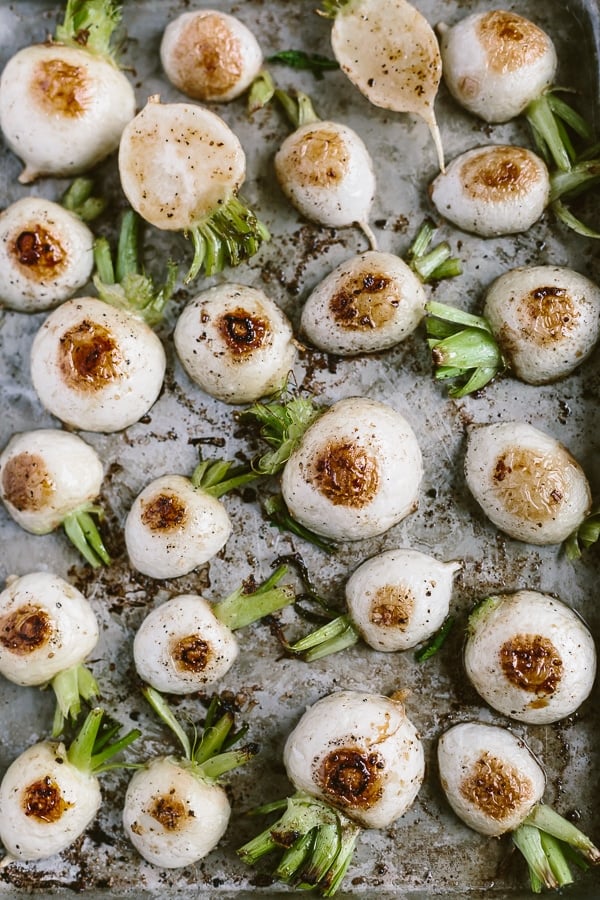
(429, 852)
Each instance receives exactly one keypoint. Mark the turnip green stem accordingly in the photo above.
(317, 843)
(547, 819)
(556, 858)
(282, 426)
(527, 839)
(299, 59)
(280, 517)
(330, 638)
(70, 687)
(213, 738)
(122, 283)
(83, 533)
(332, 7)
(79, 200)
(462, 348)
(564, 215)
(436, 642)
(231, 235)
(218, 477)
(90, 24)
(299, 108)
(244, 606)
(165, 714)
(584, 536)
(548, 115)
(221, 763)
(262, 91)
(434, 264)
(82, 751)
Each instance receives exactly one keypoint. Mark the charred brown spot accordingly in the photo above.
(26, 483)
(242, 332)
(191, 654)
(510, 41)
(62, 88)
(25, 630)
(89, 356)
(532, 663)
(168, 811)
(365, 302)
(548, 314)
(495, 787)
(531, 485)
(43, 800)
(207, 60)
(346, 474)
(352, 776)
(166, 512)
(39, 252)
(320, 159)
(392, 607)
(498, 173)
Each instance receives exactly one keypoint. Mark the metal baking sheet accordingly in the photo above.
(428, 853)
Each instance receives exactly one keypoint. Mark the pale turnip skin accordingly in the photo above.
(45, 475)
(526, 482)
(495, 63)
(355, 473)
(493, 190)
(490, 777)
(67, 800)
(46, 255)
(96, 367)
(530, 657)
(171, 816)
(210, 55)
(67, 128)
(173, 527)
(351, 731)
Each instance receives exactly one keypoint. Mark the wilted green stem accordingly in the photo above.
(83, 533)
(244, 606)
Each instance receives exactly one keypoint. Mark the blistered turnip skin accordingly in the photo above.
(399, 598)
(210, 55)
(45, 802)
(493, 190)
(526, 482)
(178, 163)
(173, 527)
(495, 63)
(546, 320)
(368, 303)
(182, 646)
(62, 109)
(491, 779)
(47, 474)
(530, 657)
(46, 254)
(360, 753)
(171, 817)
(356, 471)
(327, 174)
(95, 367)
(235, 343)
(46, 627)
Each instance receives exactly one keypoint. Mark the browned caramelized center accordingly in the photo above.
(529, 485)
(242, 332)
(25, 630)
(62, 88)
(495, 787)
(89, 356)
(392, 606)
(169, 811)
(39, 251)
(207, 60)
(320, 160)
(548, 314)
(364, 302)
(532, 662)
(165, 512)
(191, 654)
(26, 483)
(510, 41)
(346, 475)
(43, 800)
(352, 776)
(499, 173)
